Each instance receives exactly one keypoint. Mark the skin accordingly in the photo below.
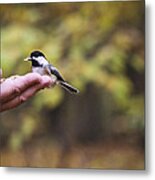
(16, 90)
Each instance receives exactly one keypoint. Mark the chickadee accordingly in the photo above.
(40, 65)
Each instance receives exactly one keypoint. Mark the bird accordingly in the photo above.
(41, 65)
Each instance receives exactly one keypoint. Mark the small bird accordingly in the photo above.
(41, 65)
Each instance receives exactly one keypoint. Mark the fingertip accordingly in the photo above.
(33, 77)
(47, 81)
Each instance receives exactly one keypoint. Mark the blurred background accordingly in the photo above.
(99, 48)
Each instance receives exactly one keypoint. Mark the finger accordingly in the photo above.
(46, 81)
(13, 87)
(20, 99)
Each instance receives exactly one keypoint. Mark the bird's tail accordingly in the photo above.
(68, 87)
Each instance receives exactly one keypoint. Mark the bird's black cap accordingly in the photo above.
(36, 54)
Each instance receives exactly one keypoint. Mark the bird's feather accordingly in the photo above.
(68, 87)
(55, 72)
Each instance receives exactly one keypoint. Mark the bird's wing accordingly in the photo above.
(55, 72)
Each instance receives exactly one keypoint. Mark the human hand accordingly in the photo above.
(15, 91)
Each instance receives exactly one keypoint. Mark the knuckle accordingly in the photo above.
(16, 90)
(22, 99)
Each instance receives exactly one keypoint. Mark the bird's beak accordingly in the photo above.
(27, 59)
